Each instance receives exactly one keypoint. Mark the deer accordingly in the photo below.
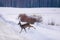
(31, 20)
(24, 26)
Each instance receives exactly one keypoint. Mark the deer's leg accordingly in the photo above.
(29, 28)
(21, 30)
(33, 27)
(25, 29)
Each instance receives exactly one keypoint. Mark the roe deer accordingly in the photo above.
(24, 26)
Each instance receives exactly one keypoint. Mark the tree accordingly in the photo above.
(1, 4)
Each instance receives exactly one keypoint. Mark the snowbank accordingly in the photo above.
(7, 32)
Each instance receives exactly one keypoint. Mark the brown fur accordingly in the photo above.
(25, 18)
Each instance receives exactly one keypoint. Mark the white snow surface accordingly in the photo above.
(9, 30)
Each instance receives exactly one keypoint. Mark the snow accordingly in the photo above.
(9, 30)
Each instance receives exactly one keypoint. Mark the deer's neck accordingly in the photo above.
(20, 24)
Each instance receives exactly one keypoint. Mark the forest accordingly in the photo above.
(29, 3)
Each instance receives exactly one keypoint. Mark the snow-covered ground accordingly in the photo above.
(9, 30)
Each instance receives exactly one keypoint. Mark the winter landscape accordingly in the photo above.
(45, 30)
